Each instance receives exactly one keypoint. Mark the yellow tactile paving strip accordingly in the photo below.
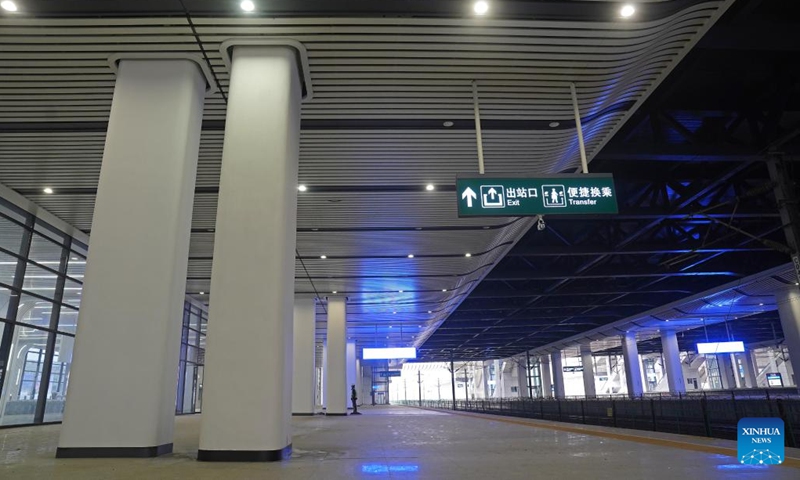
(788, 462)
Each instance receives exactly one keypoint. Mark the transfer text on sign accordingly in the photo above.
(526, 196)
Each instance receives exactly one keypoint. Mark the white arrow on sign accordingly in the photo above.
(470, 195)
(492, 193)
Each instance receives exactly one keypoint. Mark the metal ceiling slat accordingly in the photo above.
(55, 70)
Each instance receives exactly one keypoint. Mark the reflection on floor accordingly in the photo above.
(394, 442)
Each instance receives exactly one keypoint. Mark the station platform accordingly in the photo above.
(406, 442)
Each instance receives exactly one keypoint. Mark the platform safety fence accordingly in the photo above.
(713, 416)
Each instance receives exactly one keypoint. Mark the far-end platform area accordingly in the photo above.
(402, 442)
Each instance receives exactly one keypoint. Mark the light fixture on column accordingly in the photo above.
(8, 6)
(302, 188)
(627, 11)
(48, 190)
(480, 7)
(247, 6)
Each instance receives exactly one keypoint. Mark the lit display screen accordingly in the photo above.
(720, 347)
(388, 353)
(774, 380)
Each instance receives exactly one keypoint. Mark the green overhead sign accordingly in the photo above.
(578, 193)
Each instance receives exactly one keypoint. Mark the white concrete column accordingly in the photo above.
(633, 373)
(672, 362)
(359, 381)
(247, 397)
(788, 301)
(726, 373)
(789, 372)
(351, 371)
(547, 379)
(589, 388)
(304, 355)
(749, 368)
(336, 387)
(324, 377)
(122, 384)
(485, 372)
(558, 375)
(522, 378)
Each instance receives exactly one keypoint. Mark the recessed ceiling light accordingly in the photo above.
(448, 124)
(480, 7)
(554, 124)
(394, 313)
(410, 255)
(9, 6)
(430, 187)
(467, 255)
(760, 304)
(390, 326)
(248, 6)
(323, 257)
(202, 293)
(334, 292)
(48, 190)
(444, 289)
(430, 311)
(627, 11)
(302, 188)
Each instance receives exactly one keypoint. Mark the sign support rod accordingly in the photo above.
(478, 135)
(584, 162)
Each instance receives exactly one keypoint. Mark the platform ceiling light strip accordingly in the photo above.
(389, 353)
(720, 347)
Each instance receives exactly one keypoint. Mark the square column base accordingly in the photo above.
(245, 455)
(113, 452)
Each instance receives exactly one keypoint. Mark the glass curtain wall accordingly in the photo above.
(193, 352)
(41, 281)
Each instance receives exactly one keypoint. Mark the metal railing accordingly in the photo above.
(714, 414)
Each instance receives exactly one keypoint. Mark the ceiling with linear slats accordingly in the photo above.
(372, 135)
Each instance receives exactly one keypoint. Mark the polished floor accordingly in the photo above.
(408, 443)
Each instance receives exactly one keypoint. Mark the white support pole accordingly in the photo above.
(558, 375)
(579, 128)
(305, 354)
(545, 376)
(672, 362)
(336, 387)
(478, 134)
(633, 374)
(121, 400)
(247, 391)
(589, 387)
